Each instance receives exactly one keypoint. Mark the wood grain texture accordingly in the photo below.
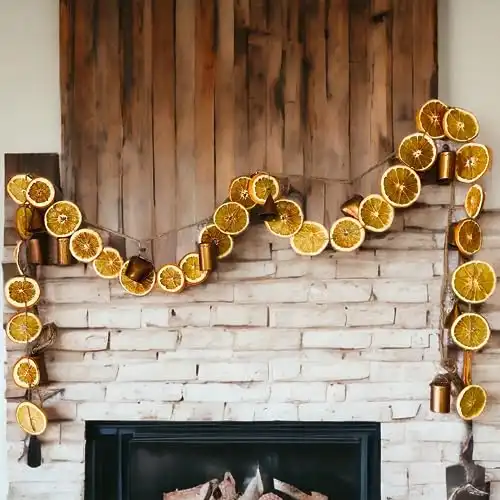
(164, 102)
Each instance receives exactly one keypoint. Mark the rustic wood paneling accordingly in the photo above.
(165, 101)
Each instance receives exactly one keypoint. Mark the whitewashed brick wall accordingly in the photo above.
(271, 337)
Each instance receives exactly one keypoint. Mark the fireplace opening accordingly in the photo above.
(226, 460)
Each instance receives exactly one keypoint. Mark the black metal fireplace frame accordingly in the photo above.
(106, 450)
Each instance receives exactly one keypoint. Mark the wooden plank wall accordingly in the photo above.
(165, 101)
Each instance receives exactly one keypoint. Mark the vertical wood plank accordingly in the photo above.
(164, 146)
(258, 15)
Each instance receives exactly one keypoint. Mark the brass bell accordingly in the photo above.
(138, 268)
(350, 208)
(268, 211)
(446, 165)
(36, 250)
(64, 257)
(440, 398)
(207, 254)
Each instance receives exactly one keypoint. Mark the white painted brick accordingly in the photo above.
(486, 451)
(288, 254)
(276, 411)
(401, 372)
(64, 452)
(81, 340)
(57, 272)
(157, 371)
(189, 315)
(435, 431)
(125, 411)
(392, 338)
(115, 317)
(401, 452)
(273, 339)
(337, 339)
(184, 412)
(238, 315)
(411, 316)
(306, 316)
(81, 372)
(399, 291)
(370, 314)
(392, 432)
(139, 340)
(49, 473)
(403, 241)
(271, 291)
(340, 412)
(139, 391)
(430, 218)
(76, 292)
(339, 371)
(81, 391)
(390, 355)
(403, 410)
(65, 316)
(292, 268)
(245, 270)
(395, 269)
(239, 412)
(233, 372)
(387, 391)
(433, 194)
(298, 392)
(486, 433)
(72, 431)
(356, 269)
(396, 474)
(205, 338)
(340, 291)
(124, 357)
(284, 369)
(226, 392)
(427, 472)
(336, 392)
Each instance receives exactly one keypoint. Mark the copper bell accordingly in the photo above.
(440, 394)
(138, 268)
(207, 254)
(446, 165)
(269, 210)
(36, 247)
(350, 208)
(64, 257)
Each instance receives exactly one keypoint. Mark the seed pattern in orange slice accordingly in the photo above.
(471, 402)
(400, 186)
(231, 218)
(311, 239)
(108, 263)
(376, 214)
(261, 186)
(134, 287)
(85, 245)
(430, 118)
(467, 237)
(171, 279)
(474, 201)
(16, 187)
(472, 162)
(418, 151)
(62, 219)
(470, 331)
(22, 292)
(31, 418)
(24, 327)
(347, 234)
(460, 125)
(26, 373)
(40, 192)
(288, 221)
(238, 192)
(190, 265)
(223, 242)
(474, 282)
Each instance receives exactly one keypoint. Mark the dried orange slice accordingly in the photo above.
(223, 242)
(24, 327)
(136, 288)
(474, 282)
(460, 125)
(62, 219)
(471, 402)
(474, 201)
(472, 162)
(261, 186)
(190, 265)
(85, 245)
(31, 418)
(40, 192)
(28, 219)
(17, 186)
(171, 279)
(22, 292)
(108, 263)
(311, 239)
(376, 214)
(289, 219)
(430, 118)
(26, 373)
(470, 331)
(400, 186)
(418, 151)
(467, 237)
(347, 234)
(238, 192)
(231, 218)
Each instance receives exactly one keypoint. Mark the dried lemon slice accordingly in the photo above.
(347, 234)
(231, 218)
(85, 245)
(467, 237)
(470, 331)
(223, 242)
(472, 162)
(474, 282)
(40, 192)
(190, 265)
(62, 219)
(418, 151)
(288, 221)
(430, 118)
(400, 186)
(31, 418)
(311, 239)
(261, 186)
(238, 192)
(460, 125)
(136, 288)
(471, 402)
(26, 373)
(24, 327)
(108, 263)
(376, 214)
(474, 201)
(22, 292)
(171, 279)
(17, 186)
